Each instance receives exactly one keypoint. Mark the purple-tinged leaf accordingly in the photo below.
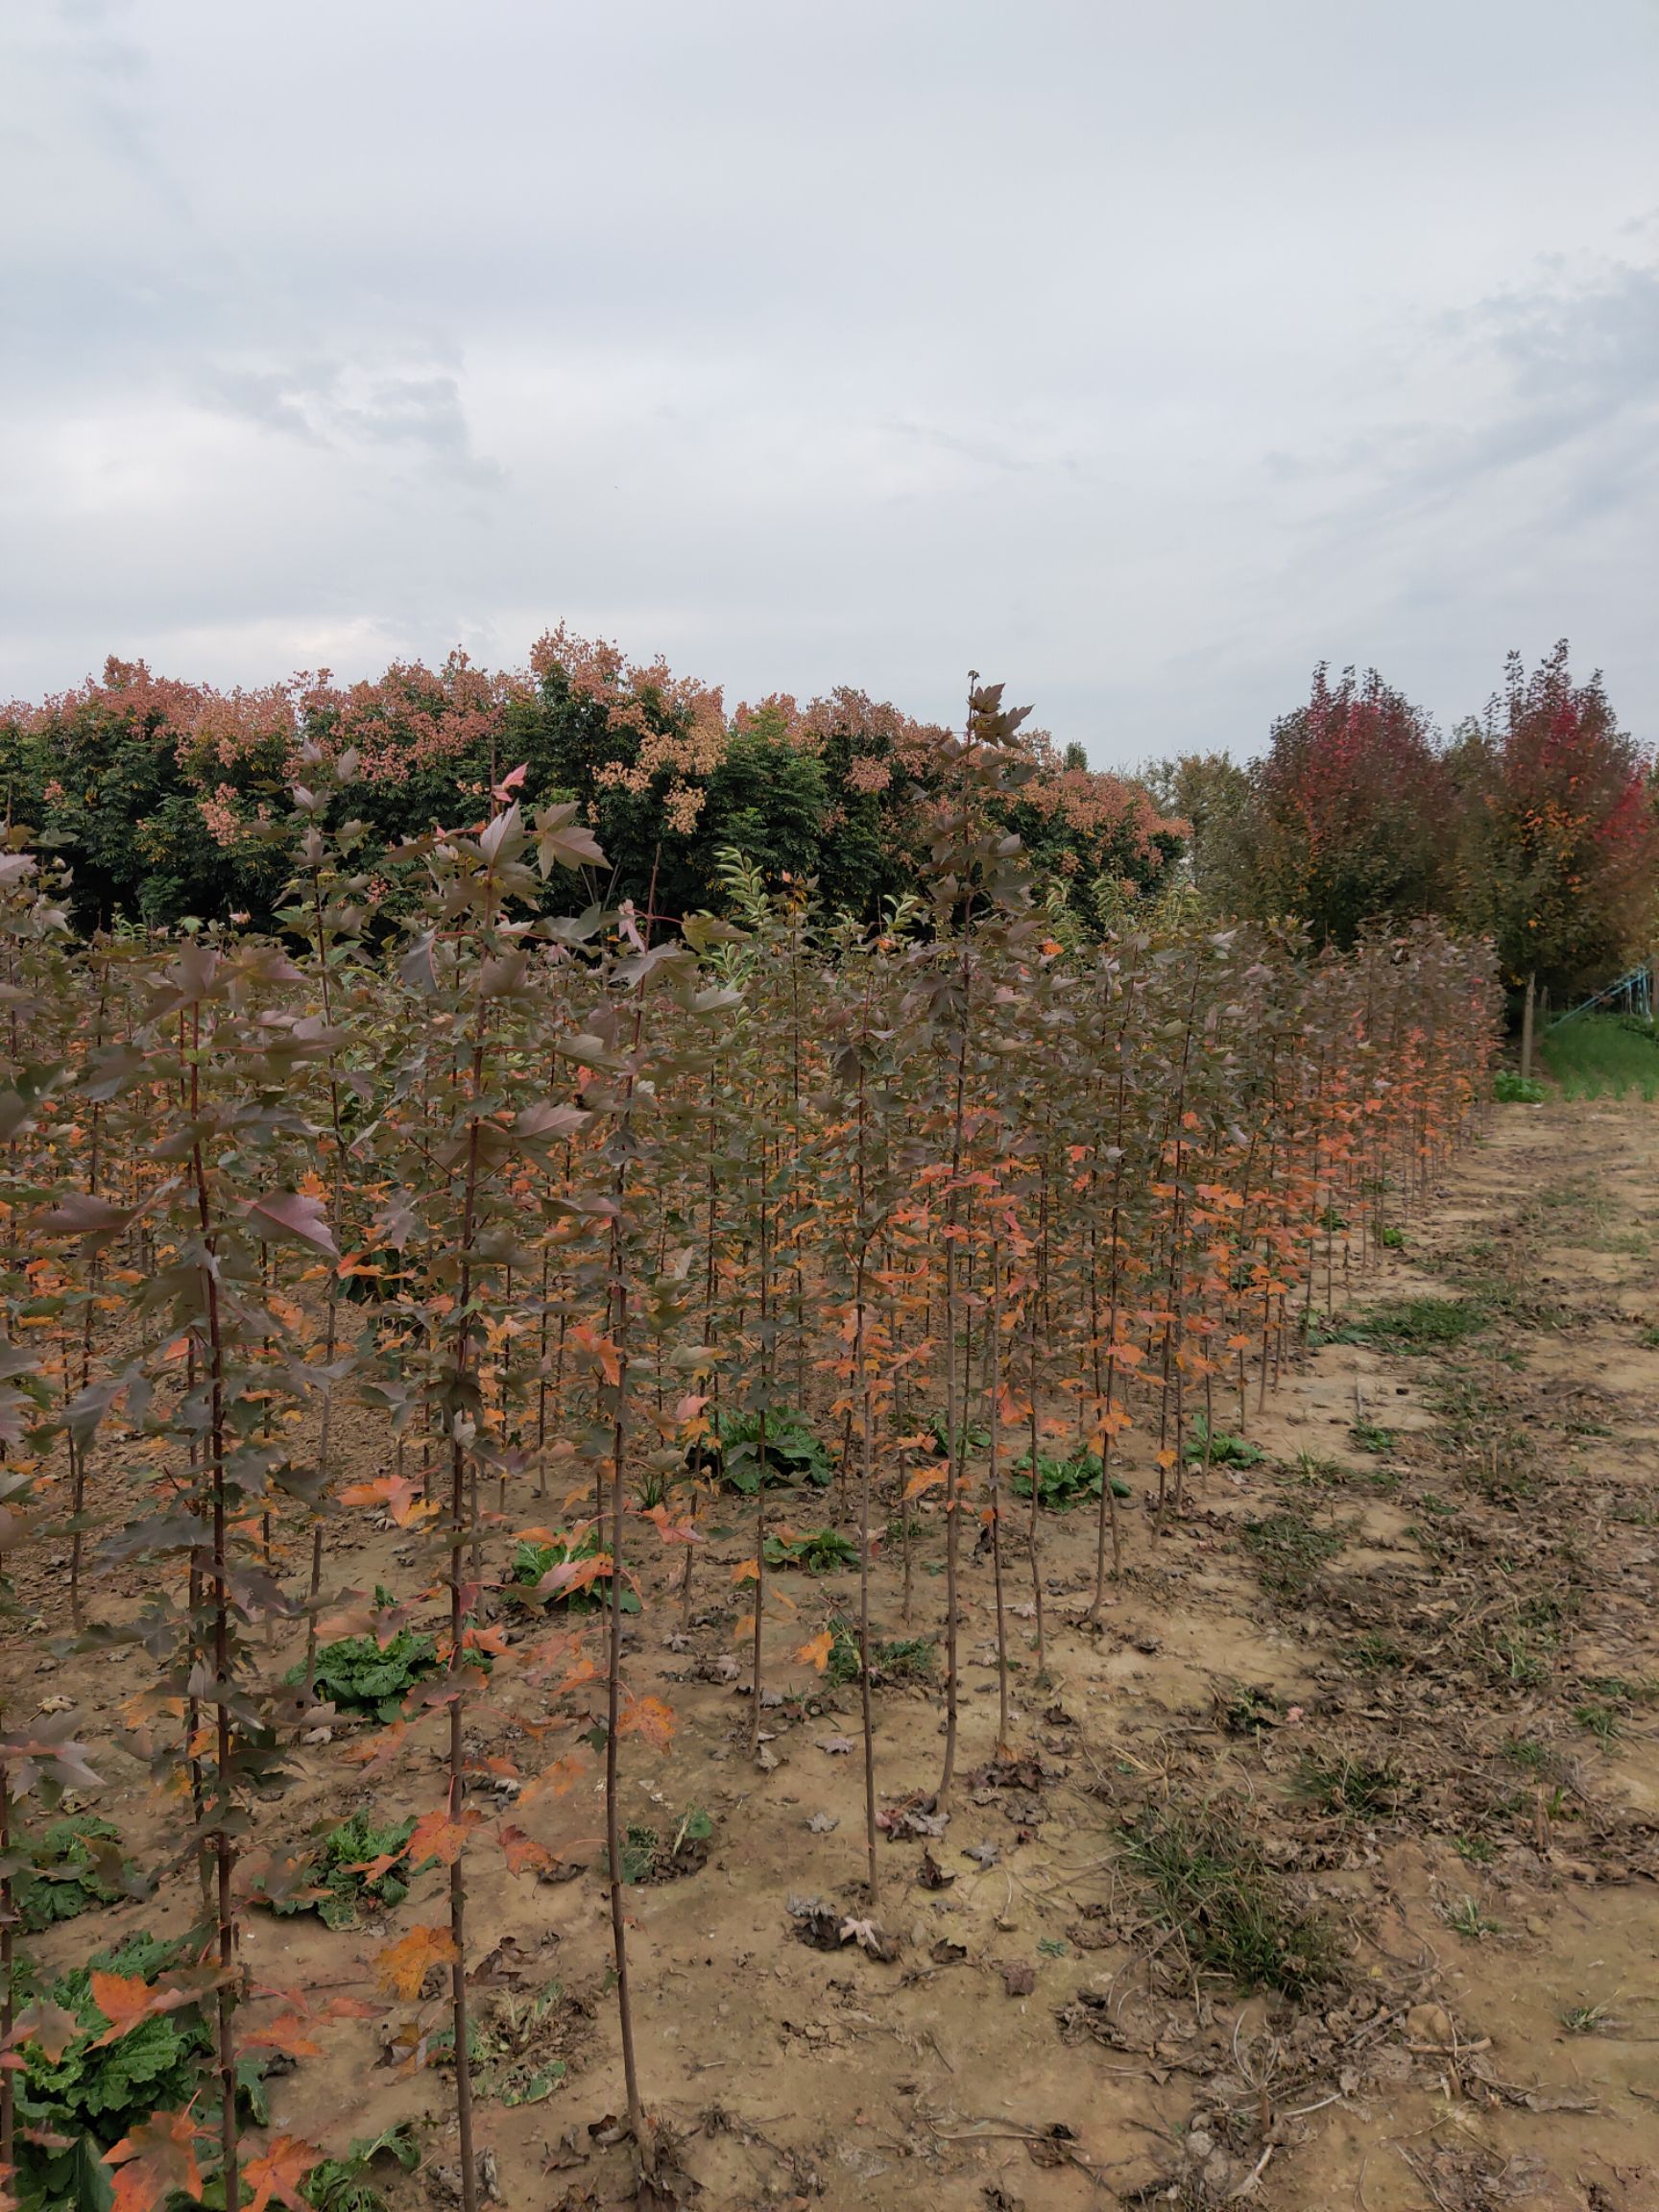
(292, 1217)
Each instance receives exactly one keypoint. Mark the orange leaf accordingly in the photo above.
(402, 1966)
(746, 1570)
(671, 1531)
(278, 2174)
(816, 1653)
(124, 2000)
(285, 2033)
(650, 1718)
(379, 1492)
(156, 2159)
(370, 1870)
(376, 1753)
(572, 1576)
(438, 1835)
(599, 1350)
(523, 1853)
(561, 1777)
(349, 2009)
(401, 1496)
(925, 1479)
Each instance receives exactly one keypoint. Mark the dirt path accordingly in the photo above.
(1379, 1711)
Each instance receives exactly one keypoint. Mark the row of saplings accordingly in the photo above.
(82, 2086)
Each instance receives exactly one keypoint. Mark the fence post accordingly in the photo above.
(1527, 1014)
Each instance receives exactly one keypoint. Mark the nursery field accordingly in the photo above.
(768, 1563)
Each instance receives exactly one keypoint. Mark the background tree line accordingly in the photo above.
(1533, 823)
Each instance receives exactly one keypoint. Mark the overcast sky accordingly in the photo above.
(1143, 352)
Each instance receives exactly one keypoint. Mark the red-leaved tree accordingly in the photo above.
(1354, 810)
(1560, 843)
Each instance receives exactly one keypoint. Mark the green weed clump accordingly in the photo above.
(514, 2051)
(1417, 1325)
(360, 1674)
(658, 1855)
(585, 1589)
(346, 2184)
(790, 1451)
(970, 1436)
(1620, 1689)
(1221, 1448)
(1528, 1754)
(817, 1552)
(1523, 1655)
(1367, 1437)
(74, 2108)
(1601, 1718)
(1247, 1709)
(356, 1864)
(1288, 1551)
(1235, 1912)
(1510, 1088)
(71, 1865)
(1466, 1918)
(1363, 1786)
(1062, 1483)
(1310, 1471)
(900, 1659)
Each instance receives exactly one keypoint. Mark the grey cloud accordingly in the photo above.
(1572, 354)
(1583, 364)
(339, 406)
(1593, 342)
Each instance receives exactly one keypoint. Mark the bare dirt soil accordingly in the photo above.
(1398, 1681)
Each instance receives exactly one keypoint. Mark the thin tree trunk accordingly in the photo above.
(955, 1417)
(614, 1708)
(8, 1996)
(992, 1391)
